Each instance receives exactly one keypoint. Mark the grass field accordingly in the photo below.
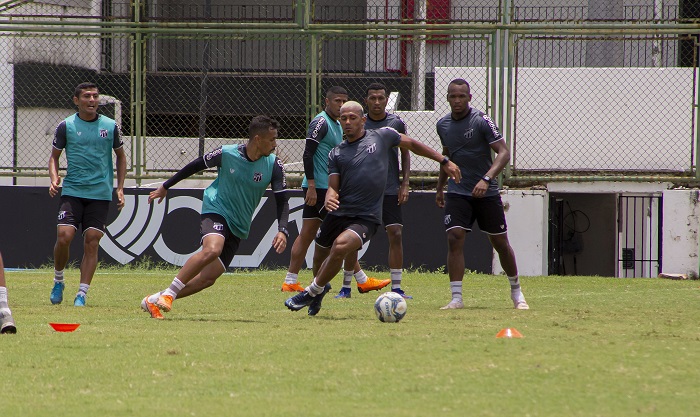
(592, 347)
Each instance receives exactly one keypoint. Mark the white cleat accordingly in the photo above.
(454, 304)
(520, 305)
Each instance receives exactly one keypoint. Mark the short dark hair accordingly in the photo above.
(377, 86)
(336, 90)
(84, 86)
(461, 81)
(261, 124)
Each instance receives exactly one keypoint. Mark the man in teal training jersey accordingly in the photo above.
(244, 173)
(88, 139)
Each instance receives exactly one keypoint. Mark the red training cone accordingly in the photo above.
(509, 333)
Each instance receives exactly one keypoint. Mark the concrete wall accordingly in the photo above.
(680, 232)
(526, 216)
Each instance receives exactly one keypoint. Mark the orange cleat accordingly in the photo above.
(373, 284)
(292, 287)
(165, 303)
(151, 308)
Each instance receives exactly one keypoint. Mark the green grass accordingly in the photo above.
(592, 347)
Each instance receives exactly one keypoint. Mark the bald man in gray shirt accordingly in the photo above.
(358, 172)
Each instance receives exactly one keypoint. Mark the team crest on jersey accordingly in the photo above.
(257, 177)
(61, 215)
(232, 170)
(103, 133)
(469, 133)
(218, 226)
(448, 219)
(372, 148)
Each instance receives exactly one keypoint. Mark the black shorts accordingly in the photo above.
(76, 211)
(391, 211)
(215, 224)
(333, 226)
(318, 211)
(462, 210)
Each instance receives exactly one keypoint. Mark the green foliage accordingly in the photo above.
(592, 347)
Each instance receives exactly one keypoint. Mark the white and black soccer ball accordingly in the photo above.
(390, 307)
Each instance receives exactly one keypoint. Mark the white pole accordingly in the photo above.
(418, 60)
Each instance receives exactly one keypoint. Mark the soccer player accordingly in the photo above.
(358, 171)
(324, 134)
(88, 139)
(244, 172)
(396, 192)
(468, 136)
(7, 324)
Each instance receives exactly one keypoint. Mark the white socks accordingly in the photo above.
(395, 278)
(347, 278)
(360, 277)
(83, 289)
(456, 288)
(175, 287)
(57, 276)
(515, 292)
(291, 278)
(314, 289)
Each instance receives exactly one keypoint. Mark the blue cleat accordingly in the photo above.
(57, 293)
(79, 301)
(344, 293)
(299, 301)
(315, 305)
(400, 292)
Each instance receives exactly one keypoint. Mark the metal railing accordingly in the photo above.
(578, 93)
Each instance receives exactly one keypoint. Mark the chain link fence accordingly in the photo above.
(183, 77)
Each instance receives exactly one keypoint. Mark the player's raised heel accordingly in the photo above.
(57, 293)
(315, 305)
(373, 284)
(165, 302)
(151, 309)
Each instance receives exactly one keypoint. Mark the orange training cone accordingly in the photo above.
(509, 333)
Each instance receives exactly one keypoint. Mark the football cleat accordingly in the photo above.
(344, 293)
(292, 287)
(315, 305)
(372, 284)
(79, 301)
(520, 304)
(151, 308)
(400, 292)
(165, 302)
(299, 301)
(57, 292)
(454, 304)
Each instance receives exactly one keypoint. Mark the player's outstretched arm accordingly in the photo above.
(159, 194)
(418, 148)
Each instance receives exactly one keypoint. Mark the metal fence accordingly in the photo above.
(580, 89)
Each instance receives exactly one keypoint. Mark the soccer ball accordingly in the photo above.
(390, 307)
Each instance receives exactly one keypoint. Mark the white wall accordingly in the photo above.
(526, 217)
(681, 221)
